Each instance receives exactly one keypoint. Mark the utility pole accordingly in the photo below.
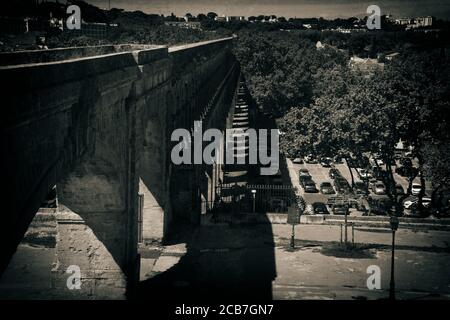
(394, 226)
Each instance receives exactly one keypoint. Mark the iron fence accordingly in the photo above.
(253, 198)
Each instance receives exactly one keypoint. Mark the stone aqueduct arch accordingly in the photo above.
(96, 121)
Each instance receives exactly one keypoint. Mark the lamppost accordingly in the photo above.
(254, 199)
(394, 226)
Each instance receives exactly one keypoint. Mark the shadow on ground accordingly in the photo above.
(221, 261)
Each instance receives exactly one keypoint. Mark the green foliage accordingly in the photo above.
(280, 67)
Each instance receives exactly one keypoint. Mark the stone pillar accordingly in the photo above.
(93, 235)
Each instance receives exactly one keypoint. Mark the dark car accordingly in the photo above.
(340, 209)
(379, 206)
(360, 188)
(341, 185)
(399, 190)
(326, 188)
(304, 179)
(310, 159)
(405, 168)
(333, 173)
(320, 208)
(303, 172)
(326, 162)
(310, 186)
(337, 160)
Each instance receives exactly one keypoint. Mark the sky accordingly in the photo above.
(286, 8)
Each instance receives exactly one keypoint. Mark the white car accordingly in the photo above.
(416, 188)
(379, 188)
(363, 173)
(426, 202)
(410, 203)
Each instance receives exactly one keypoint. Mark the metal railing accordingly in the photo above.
(252, 198)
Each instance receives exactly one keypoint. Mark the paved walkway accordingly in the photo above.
(221, 261)
(259, 258)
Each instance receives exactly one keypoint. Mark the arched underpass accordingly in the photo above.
(96, 122)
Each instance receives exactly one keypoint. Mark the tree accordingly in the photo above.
(211, 15)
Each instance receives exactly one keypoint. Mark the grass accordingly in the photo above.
(349, 250)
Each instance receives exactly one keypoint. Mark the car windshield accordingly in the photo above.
(326, 184)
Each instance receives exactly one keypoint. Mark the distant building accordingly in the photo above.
(229, 18)
(411, 23)
(14, 25)
(404, 21)
(184, 24)
(365, 65)
(235, 18)
(423, 21)
(94, 30)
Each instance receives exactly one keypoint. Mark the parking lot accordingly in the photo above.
(320, 174)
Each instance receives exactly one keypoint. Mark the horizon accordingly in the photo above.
(287, 8)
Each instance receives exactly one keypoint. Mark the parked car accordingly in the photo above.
(379, 161)
(310, 159)
(363, 173)
(326, 188)
(412, 202)
(360, 188)
(399, 190)
(416, 188)
(337, 160)
(333, 173)
(310, 186)
(379, 188)
(409, 202)
(376, 208)
(405, 167)
(341, 185)
(304, 179)
(303, 172)
(326, 162)
(340, 209)
(320, 208)
(298, 161)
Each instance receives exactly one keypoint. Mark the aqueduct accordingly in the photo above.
(96, 122)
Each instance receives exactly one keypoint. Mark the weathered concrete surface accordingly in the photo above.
(99, 127)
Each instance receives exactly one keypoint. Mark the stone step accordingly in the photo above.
(240, 118)
(240, 124)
